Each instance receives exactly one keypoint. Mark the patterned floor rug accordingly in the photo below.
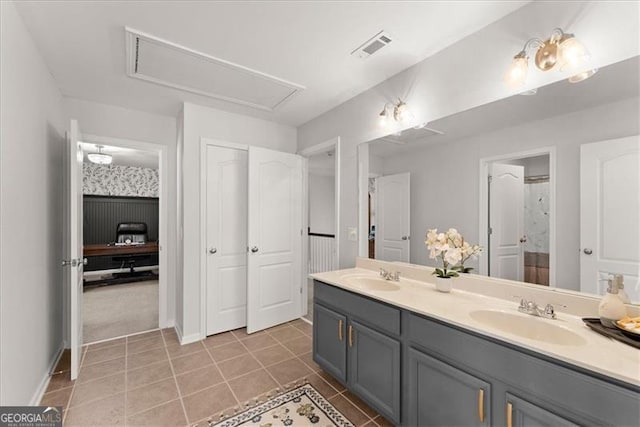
(302, 406)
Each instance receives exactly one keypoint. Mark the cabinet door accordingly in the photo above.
(521, 413)
(374, 369)
(329, 341)
(442, 395)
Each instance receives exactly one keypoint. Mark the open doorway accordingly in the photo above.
(517, 202)
(322, 213)
(121, 199)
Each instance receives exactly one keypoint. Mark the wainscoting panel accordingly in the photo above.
(102, 214)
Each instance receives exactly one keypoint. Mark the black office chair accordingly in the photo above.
(132, 232)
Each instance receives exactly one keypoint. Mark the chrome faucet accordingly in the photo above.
(387, 275)
(530, 307)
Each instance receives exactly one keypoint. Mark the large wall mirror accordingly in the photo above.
(547, 183)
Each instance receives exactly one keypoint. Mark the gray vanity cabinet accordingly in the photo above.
(420, 371)
(521, 413)
(355, 340)
(442, 395)
(329, 349)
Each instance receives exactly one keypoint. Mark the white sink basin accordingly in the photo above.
(534, 328)
(372, 283)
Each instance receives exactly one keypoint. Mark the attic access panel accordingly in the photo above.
(159, 61)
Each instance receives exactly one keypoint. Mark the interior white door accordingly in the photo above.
(506, 222)
(226, 238)
(610, 214)
(393, 223)
(275, 238)
(75, 259)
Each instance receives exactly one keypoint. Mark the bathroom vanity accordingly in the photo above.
(421, 357)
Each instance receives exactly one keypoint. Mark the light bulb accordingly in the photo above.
(517, 73)
(572, 54)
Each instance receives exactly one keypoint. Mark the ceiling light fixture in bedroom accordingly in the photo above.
(100, 158)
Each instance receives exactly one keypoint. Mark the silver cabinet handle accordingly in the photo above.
(587, 251)
(254, 249)
(213, 250)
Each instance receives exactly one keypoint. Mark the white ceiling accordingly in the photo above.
(124, 156)
(308, 43)
(612, 83)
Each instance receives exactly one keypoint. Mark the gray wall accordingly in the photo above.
(31, 207)
(433, 178)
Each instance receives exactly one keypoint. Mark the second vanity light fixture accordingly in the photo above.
(560, 51)
(399, 112)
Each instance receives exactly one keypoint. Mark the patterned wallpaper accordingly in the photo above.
(110, 180)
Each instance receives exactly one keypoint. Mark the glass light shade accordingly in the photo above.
(582, 76)
(517, 73)
(382, 119)
(100, 158)
(572, 54)
(404, 114)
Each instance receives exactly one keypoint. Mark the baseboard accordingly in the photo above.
(188, 339)
(42, 387)
(304, 319)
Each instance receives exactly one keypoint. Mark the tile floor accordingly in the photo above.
(150, 379)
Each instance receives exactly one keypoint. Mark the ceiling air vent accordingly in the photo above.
(372, 45)
(162, 62)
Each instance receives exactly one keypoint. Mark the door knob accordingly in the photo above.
(405, 237)
(587, 251)
(254, 249)
(523, 239)
(213, 250)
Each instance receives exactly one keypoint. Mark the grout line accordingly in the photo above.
(224, 379)
(175, 380)
(126, 387)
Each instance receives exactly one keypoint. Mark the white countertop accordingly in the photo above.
(598, 353)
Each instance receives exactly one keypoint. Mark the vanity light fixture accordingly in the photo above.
(399, 112)
(100, 157)
(560, 51)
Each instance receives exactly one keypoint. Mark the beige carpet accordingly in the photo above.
(116, 310)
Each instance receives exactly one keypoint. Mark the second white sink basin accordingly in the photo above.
(373, 283)
(530, 327)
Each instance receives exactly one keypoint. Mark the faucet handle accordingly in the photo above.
(549, 311)
(382, 272)
(396, 276)
(523, 303)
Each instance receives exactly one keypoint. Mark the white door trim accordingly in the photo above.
(204, 143)
(362, 155)
(163, 162)
(323, 147)
(483, 224)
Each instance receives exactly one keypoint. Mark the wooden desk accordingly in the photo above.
(105, 249)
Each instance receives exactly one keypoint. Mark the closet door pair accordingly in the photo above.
(253, 221)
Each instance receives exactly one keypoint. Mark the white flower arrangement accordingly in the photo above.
(452, 249)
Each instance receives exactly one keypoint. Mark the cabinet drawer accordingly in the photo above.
(374, 313)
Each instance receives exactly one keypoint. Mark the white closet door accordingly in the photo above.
(393, 212)
(610, 214)
(226, 238)
(75, 257)
(506, 219)
(275, 238)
